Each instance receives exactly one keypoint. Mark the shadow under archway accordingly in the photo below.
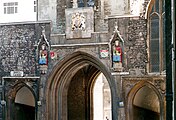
(24, 105)
(61, 77)
(21, 105)
(145, 103)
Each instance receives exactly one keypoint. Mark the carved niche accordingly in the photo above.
(117, 52)
(43, 52)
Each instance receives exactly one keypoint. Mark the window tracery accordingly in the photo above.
(156, 36)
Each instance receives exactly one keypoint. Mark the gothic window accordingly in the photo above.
(80, 3)
(83, 3)
(156, 36)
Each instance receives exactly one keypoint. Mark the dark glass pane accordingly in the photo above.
(80, 3)
(154, 56)
(155, 68)
(154, 61)
(154, 26)
(1, 107)
(157, 6)
(163, 6)
(16, 9)
(5, 10)
(90, 3)
(154, 44)
(16, 3)
(5, 4)
(164, 46)
(35, 8)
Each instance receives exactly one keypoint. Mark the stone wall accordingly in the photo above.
(47, 10)
(61, 5)
(134, 33)
(54, 10)
(17, 47)
(76, 97)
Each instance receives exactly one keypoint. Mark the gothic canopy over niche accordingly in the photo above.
(117, 44)
(43, 50)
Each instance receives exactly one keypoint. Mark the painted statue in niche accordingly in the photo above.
(117, 52)
(117, 56)
(43, 57)
(43, 51)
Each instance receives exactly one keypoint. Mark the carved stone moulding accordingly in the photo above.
(128, 83)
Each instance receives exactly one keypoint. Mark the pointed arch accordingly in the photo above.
(25, 96)
(135, 90)
(155, 26)
(149, 8)
(12, 95)
(60, 77)
(17, 86)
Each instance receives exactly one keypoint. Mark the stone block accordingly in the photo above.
(79, 22)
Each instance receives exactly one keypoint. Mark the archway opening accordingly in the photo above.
(146, 105)
(102, 99)
(24, 106)
(70, 88)
(89, 95)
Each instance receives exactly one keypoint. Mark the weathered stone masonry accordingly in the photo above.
(19, 61)
(17, 49)
(18, 52)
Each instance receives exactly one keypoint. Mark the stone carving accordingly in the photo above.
(78, 21)
(160, 85)
(117, 50)
(43, 47)
(13, 85)
(129, 83)
(75, 4)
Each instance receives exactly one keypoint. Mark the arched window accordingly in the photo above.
(84, 3)
(156, 36)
